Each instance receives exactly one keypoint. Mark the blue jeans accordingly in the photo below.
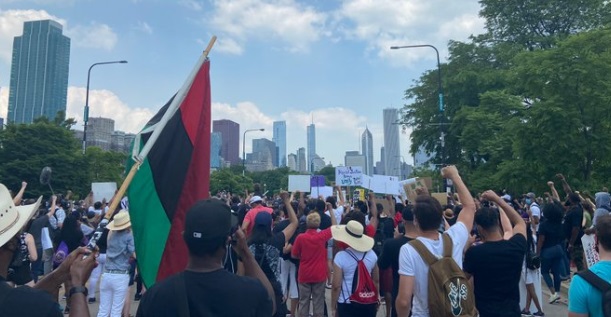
(552, 258)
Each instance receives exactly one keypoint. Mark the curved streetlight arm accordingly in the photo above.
(86, 111)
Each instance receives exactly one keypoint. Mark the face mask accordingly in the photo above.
(528, 201)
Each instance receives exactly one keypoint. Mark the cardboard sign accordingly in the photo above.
(385, 204)
(103, 191)
(589, 249)
(300, 183)
(442, 198)
(349, 175)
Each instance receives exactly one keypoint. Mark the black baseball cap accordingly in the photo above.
(208, 220)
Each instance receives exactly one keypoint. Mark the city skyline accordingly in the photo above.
(39, 72)
(332, 61)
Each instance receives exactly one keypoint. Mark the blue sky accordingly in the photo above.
(274, 59)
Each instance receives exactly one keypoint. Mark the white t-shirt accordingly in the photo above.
(536, 212)
(45, 239)
(411, 264)
(348, 265)
(337, 212)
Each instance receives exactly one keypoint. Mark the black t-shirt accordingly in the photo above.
(573, 218)
(496, 267)
(102, 243)
(18, 302)
(390, 258)
(553, 234)
(217, 293)
(325, 221)
(36, 229)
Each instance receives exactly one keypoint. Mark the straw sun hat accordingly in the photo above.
(120, 222)
(13, 218)
(353, 235)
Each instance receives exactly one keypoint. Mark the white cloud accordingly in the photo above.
(11, 25)
(294, 25)
(227, 45)
(191, 5)
(384, 23)
(144, 27)
(95, 35)
(104, 103)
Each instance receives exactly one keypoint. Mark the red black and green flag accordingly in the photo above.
(174, 151)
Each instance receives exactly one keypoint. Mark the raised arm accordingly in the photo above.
(468, 210)
(391, 203)
(293, 221)
(19, 196)
(519, 226)
(552, 188)
(341, 201)
(565, 185)
(374, 210)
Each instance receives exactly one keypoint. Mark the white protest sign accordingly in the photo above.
(589, 249)
(383, 184)
(348, 175)
(324, 191)
(367, 180)
(300, 183)
(103, 191)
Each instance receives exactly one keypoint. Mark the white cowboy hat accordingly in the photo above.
(353, 235)
(120, 222)
(13, 218)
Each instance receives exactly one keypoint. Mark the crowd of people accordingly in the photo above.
(280, 255)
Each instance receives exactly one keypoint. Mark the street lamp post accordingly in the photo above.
(440, 91)
(86, 114)
(244, 148)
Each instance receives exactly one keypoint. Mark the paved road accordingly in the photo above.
(552, 310)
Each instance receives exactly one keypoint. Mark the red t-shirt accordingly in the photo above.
(370, 231)
(398, 218)
(251, 214)
(311, 250)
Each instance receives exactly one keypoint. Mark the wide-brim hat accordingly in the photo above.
(13, 218)
(353, 235)
(121, 221)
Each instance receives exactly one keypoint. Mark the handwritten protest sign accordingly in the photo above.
(385, 184)
(349, 175)
(589, 249)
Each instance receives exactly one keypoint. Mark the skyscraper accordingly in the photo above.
(216, 143)
(354, 158)
(367, 151)
(230, 135)
(392, 162)
(292, 162)
(311, 143)
(264, 151)
(100, 133)
(279, 138)
(39, 72)
(302, 165)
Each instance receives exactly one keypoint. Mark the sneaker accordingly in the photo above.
(539, 313)
(554, 298)
(526, 313)
(328, 286)
(91, 300)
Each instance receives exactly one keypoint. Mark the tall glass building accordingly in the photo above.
(392, 161)
(230, 137)
(311, 140)
(216, 143)
(279, 138)
(367, 151)
(39, 72)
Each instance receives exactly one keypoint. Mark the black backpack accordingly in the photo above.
(603, 286)
(384, 231)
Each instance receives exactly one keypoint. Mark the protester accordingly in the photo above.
(257, 206)
(535, 210)
(267, 247)
(36, 230)
(345, 267)
(603, 206)
(550, 241)
(310, 248)
(584, 298)
(19, 270)
(390, 253)
(497, 294)
(428, 217)
(572, 226)
(115, 279)
(531, 275)
(19, 301)
(205, 288)
(97, 272)
(288, 267)
(71, 237)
